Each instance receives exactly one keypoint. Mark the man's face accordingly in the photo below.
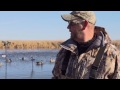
(76, 31)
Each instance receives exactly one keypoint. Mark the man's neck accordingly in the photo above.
(88, 41)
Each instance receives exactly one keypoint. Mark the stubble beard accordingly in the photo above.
(77, 36)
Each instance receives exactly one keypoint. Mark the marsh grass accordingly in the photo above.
(32, 44)
(40, 44)
(116, 43)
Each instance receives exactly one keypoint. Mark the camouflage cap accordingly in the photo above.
(86, 15)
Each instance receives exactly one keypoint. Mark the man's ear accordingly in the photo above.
(85, 23)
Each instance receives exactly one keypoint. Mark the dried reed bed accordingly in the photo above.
(32, 44)
(40, 44)
(116, 43)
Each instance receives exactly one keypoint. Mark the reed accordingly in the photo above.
(116, 43)
(33, 44)
(40, 44)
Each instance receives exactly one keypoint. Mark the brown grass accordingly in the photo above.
(116, 43)
(32, 44)
(40, 44)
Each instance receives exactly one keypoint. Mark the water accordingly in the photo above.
(26, 69)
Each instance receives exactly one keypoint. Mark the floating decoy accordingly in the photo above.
(32, 59)
(52, 60)
(1, 64)
(8, 60)
(40, 63)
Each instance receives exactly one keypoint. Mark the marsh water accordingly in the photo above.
(22, 67)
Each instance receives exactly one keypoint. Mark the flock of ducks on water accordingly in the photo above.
(32, 59)
(41, 62)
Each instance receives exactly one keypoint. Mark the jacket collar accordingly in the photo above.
(101, 40)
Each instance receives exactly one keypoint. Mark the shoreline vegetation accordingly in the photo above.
(39, 44)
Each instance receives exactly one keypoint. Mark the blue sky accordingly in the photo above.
(48, 25)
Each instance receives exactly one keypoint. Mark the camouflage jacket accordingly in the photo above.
(79, 66)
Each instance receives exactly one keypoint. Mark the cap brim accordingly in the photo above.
(68, 17)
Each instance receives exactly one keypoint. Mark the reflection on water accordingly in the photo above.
(26, 68)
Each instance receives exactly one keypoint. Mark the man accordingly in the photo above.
(89, 53)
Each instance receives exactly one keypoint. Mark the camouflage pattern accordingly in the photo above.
(86, 15)
(79, 66)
